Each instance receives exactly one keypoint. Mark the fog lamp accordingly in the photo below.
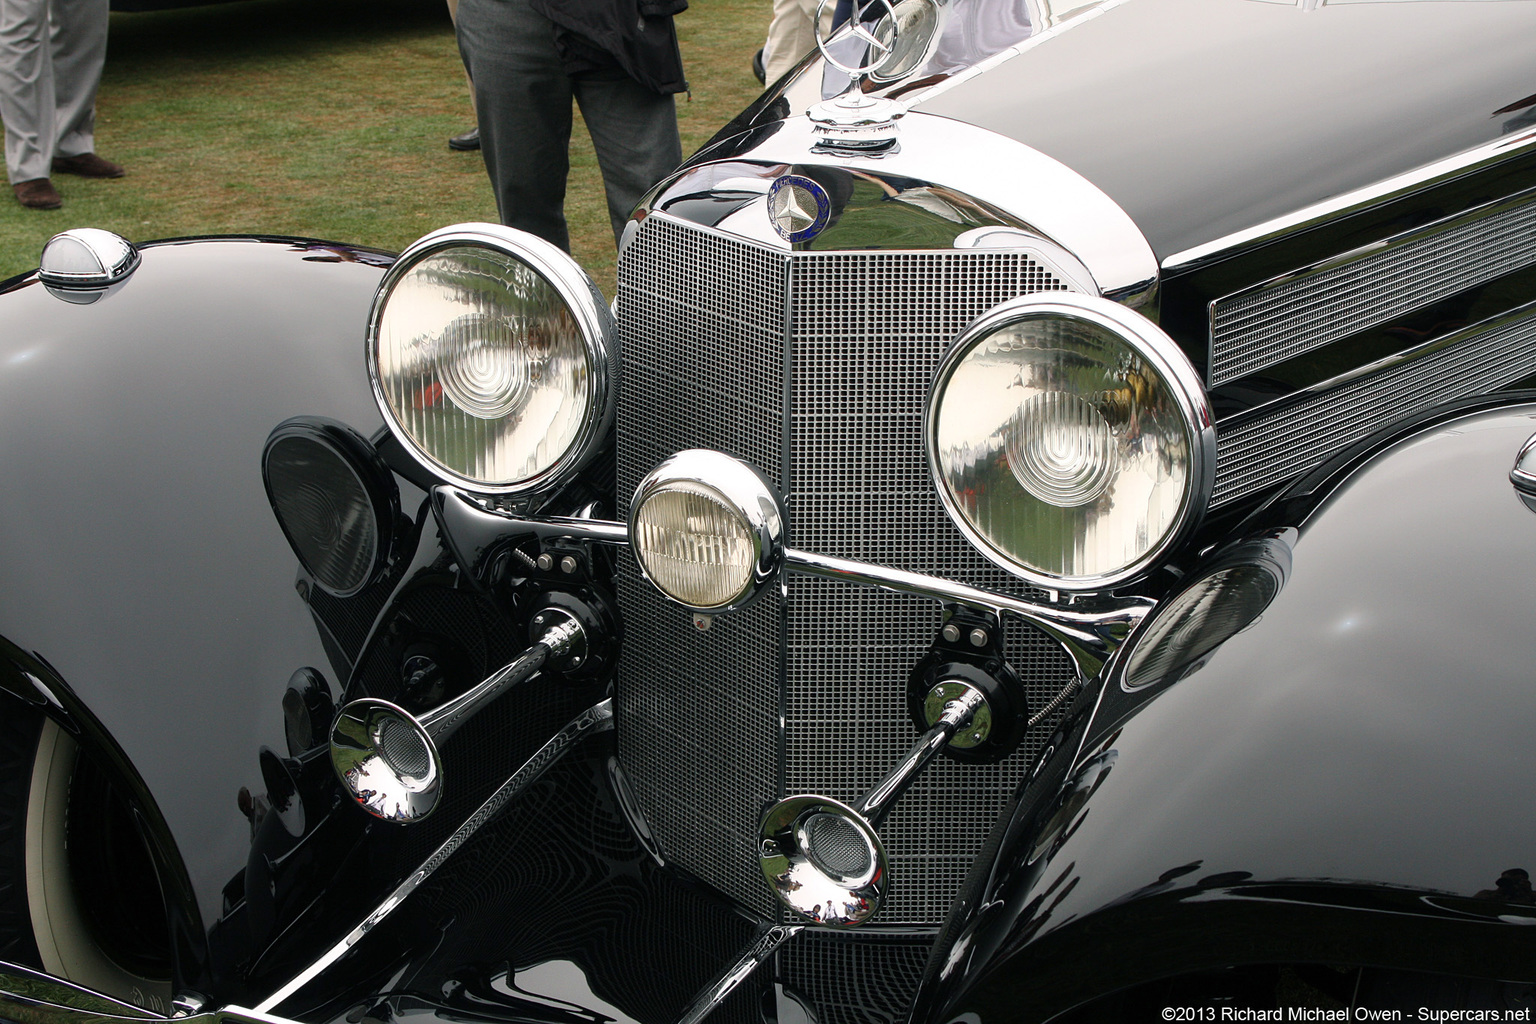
(334, 498)
(708, 530)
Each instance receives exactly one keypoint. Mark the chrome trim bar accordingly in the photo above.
(596, 719)
(558, 640)
(759, 949)
(32, 997)
(1355, 201)
(1088, 636)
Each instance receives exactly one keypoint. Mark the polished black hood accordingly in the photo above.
(1204, 117)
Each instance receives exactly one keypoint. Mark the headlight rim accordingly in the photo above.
(740, 485)
(1151, 343)
(582, 298)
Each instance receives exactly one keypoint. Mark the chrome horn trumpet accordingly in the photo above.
(388, 759)
(823, 858)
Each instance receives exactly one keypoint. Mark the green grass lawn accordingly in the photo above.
(328, 118)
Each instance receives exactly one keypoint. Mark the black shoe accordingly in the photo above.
(469, 140)
(757, 67)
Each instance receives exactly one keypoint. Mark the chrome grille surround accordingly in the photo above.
(1259, 451)
(1300, 312)
(837, 415)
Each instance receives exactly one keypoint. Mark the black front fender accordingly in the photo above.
(138, 552)
(1345, 781)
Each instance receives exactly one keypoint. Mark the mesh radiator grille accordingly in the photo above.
(705, 365)
(1272, 323)
(1272, 447)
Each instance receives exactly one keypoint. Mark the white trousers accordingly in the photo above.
(791, 35)
(51, 56)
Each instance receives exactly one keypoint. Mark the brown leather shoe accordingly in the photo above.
(37, 194)
(87, 165)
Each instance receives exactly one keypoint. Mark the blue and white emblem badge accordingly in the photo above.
(798, 207)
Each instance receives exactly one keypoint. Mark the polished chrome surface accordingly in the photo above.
(1052, 199)
(825, 893)
(87, 258)
(1089, 636)
(1355, 201)
(959, 711)
(744, 492)
(1306, 309)
(385, 760)
(28, 996)
(1258, 451)
(587, 307)
(1523, 476)
(763, 946)
(814, 366)
(823, 858)
(388, 760)
(940, 697)
(854, 120)
(875, 48)
(1147, 340)
(596, 719)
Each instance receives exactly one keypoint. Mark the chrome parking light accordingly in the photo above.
(87, 258)
(708, 530)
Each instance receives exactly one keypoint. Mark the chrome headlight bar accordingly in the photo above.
(1089, 637)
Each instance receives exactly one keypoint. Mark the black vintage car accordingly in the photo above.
(1046, 527)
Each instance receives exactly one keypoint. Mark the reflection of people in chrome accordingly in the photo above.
(1513, 886)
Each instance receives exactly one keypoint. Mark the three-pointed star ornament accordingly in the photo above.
(798, 207)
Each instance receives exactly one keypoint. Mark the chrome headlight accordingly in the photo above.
(1070, 440)
(708, 530)
(492, 358)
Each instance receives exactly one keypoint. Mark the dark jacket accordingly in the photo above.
(636, 35)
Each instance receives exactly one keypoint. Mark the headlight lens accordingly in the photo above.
(1209, 612)
(707, 530)
(490, 354)
(1070, 440)
(334, 499)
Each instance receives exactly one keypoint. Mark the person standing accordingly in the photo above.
(51, 57)
(471, 139)
(528, 59)
(791, 35)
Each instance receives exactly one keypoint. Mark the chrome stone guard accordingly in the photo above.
(1088, 637)
(31, 997)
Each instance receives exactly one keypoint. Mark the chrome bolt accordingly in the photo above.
(978, 638)
(568, 564)
(701, 622)
(951, 634)
(546, 562)
(576, 661)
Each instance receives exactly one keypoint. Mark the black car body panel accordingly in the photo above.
(1333, 773)
(140, 555)
(1329, 785)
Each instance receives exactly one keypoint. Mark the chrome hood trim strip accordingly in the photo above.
(1361, 199)
(1057, 202)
